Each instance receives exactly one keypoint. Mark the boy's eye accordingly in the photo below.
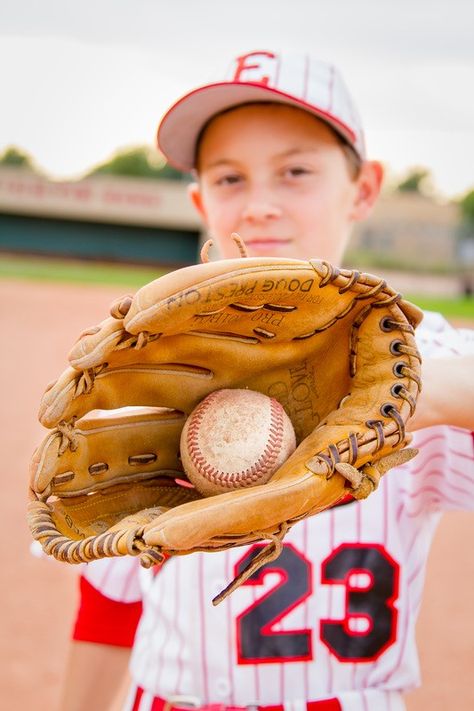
(229, 179)
(296, 171)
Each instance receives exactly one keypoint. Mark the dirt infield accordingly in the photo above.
(39, 322)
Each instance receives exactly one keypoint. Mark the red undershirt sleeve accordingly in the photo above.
(105, 621)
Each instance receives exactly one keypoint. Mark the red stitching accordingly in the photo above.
(259, 469)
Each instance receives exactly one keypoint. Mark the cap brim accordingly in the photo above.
(181, 126)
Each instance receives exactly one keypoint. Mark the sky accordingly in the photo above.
(81, 80)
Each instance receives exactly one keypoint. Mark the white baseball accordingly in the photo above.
(234, 439)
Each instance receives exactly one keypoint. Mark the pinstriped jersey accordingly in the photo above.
(334, 615)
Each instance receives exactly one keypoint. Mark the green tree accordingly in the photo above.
(18, 158)
(417, 181)
(466, 205)
(139, 162)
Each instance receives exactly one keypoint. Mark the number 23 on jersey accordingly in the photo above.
(370, 578)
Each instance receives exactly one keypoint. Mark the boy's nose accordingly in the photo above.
(260, 210)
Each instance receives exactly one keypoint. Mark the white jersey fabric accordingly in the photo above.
(334, 615)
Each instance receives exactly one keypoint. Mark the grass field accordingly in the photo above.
(40, 268)
(461, 307)
(69, 271)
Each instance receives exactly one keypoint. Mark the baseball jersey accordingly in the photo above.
(333, 616)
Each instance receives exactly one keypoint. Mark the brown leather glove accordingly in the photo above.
(335, 347)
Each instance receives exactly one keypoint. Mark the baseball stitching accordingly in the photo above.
(257, 471)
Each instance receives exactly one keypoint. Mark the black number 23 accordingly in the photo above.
(370, 577)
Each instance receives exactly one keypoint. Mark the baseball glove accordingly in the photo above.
(335, 347)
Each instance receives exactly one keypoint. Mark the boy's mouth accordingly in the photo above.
(266, 243)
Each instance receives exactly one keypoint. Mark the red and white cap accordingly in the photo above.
(299, 81)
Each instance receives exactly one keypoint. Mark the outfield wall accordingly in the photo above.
(106, 218)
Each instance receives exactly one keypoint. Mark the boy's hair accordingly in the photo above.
(353, 159)
(262, 76)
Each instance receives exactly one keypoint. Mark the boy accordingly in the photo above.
(279, 156)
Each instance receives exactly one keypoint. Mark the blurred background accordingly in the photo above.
(83, 90)
(89, 210)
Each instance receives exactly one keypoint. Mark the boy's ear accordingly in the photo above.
(194, 194)
(369, 183)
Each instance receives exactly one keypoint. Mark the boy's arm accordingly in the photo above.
(447, 394)
(96, 674)
(96, 677)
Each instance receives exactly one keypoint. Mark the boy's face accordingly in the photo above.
(278, 177)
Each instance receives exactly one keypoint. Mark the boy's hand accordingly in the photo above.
(335, 347)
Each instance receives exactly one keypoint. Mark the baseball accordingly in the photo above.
(234, 439)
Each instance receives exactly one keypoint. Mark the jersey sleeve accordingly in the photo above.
(436, 338)
(441, 476)
(116, 578)
(110, 604)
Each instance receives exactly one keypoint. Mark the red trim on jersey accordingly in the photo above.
(158, 704)
(137, 699)
(105, 621)
(347, 499)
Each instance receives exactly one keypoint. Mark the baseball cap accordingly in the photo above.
(261, 76)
